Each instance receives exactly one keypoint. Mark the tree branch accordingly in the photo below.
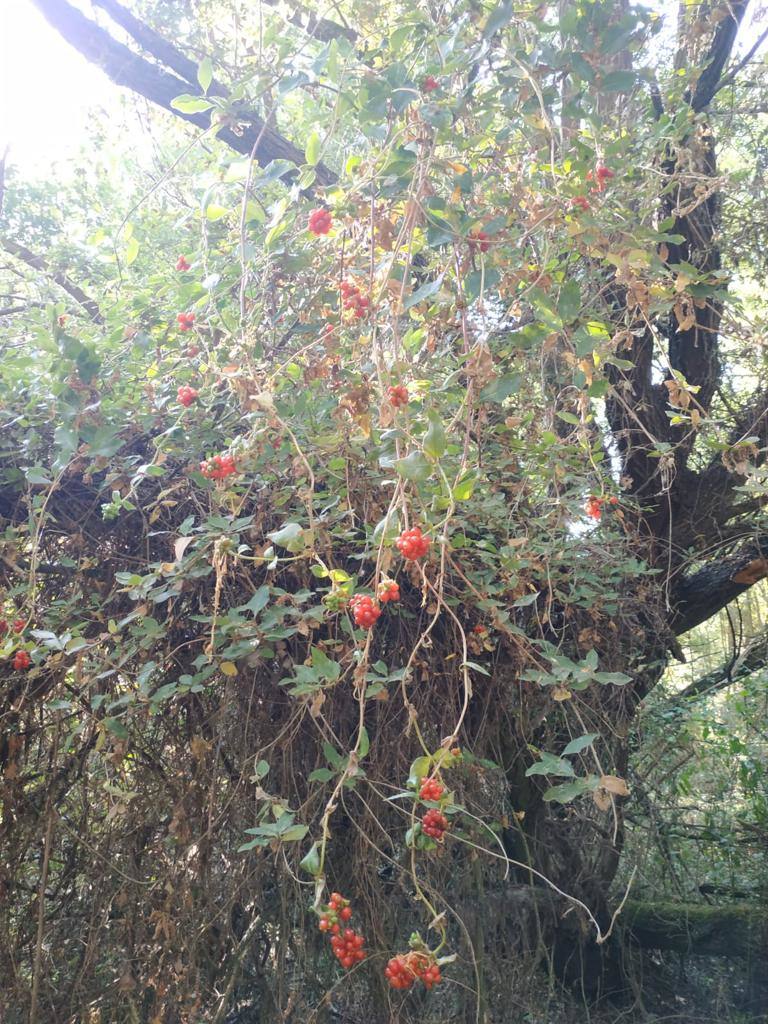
(127, 69)
(718, 56)
(753, 657)
(61, 279)
(701, 594)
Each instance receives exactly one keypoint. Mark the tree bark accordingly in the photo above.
(127, 69)
(738, 930)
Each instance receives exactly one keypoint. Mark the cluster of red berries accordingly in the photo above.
(353, 300)
(320, 222)
(182, 263)
(429, 84)
(347, 945)
(187, 395)
(431, 789)
(434, 824)
(478, 240)
(581, 202)
(412, 543)
(186, 321)
(364, 610)
(594, 505)
(219, 467)
(21, 660)
(17, 626)
(388, 590)
(398, 395)
(600, 175)
(405, 968)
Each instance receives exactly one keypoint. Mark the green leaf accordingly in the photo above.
(414, 467)
(501, 388)
(37, 475)
(290, 536)
(423, 293)
(186, 104)
(365, 744)
(465, 487)
(321, 775)
(497, 19)
(549, 764)
(525, 600)
(580, 743)
(293, 834)
(131, 250)
(618, 81)
(419, 770)
(569, 301)
(434, 442)
(568, 791)
(205, 73)
(116, 727)
(310, 862)
(312, 149)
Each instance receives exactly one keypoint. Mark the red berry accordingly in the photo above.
(219, 467)
(581, 202)
(3, 627)
(387, 591)
(21, 660)
(18, 625)
(335, 928)
(345, 913)
(431, 789)
(412, 543)
(429, 84)
(594, 507)
(187, 395)
(613, 500)
(398, 395)
(320, 222)
(364, 610)
(182, 263)
(434, 824)
(478, 240)
(186, 321)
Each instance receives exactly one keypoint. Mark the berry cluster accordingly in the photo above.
(594, 505)
(405, 968)
(182, 263)
(412, 543)
(429, 84)
(219, 467)
(365, 611)
(478, 240)
(352, 299)
(347, 945)
(21, 660)
(17, 626)
(186, 321)
(388, 590)
(431, 789)
(600, 175)
(434, 824)
(320, 222)
(187, 395)
(398, 395)
(581, 202)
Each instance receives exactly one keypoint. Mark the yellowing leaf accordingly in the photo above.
(228, 668)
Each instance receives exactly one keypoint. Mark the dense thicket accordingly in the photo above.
(367, 444)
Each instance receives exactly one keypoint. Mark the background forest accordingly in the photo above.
(383, 432)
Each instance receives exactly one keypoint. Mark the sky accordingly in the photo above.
(47, 90)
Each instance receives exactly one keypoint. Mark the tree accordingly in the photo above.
(344, 537)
